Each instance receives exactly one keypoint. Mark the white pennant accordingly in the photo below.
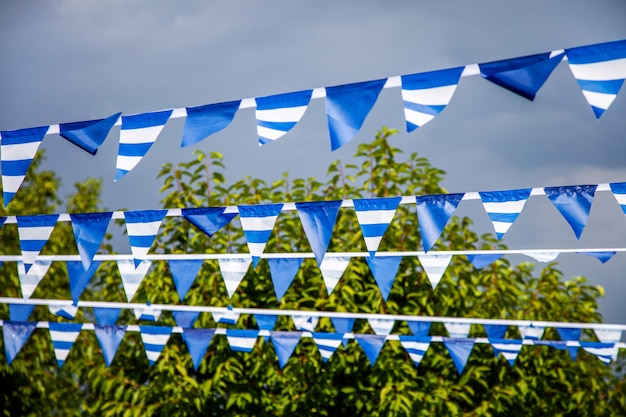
(332, 269)
(233, 270)
(542, 256)
(29, 281)
(434, 266)
(381, 326)
(458, 329)
(131, 276)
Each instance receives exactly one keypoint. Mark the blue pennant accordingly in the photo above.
(482, 260)
(460, 350)
(109, 337)
(184, 273)
(495, 331)
(89, 230)
(283, 270)
(343, 325)
(266, 321)
(419, 328)
(89, 135)
(15, 336)
(185, 319)
(601, 256)
(79, 277)
(203, 121)
(106, 316)
(384, 270)
(20, 312)
(208, 219)
(197, 341)
(433, 212)
(371, 344)
(318, 219)
(569, 334)
(574, 203)
(284, 345)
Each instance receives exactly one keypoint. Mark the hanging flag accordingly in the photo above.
(433, 212)
(233, 270)
(79, 277)
(203, 121)
(332, 269)
(17, 150)
(109, 337)
(277, 115)
(184, 273)
(374, 215)
(284, 345)
(458, 330)
(137, 135)
(88, 135)
(425, 95)
(147, 313)
(495, 331)
(66, 311)
(503, 207)
(154, 340)
(482, 260)
(132, 276)
(142, 227)
(20, 312)
(600, 71)
(29, 281)
(619, 192)
(15, 335)
(507, 347)
(343, 325)
(305, 323)
(419, 328)
(416, 347)
(89, 230)
(34, 232)
(266, 321)
(241, 340)
(257, 223)
(282, 271)
(197, 341)
(603, 257)
(185, 319)
(531, 332)
(542, 256)
(569, 334)
(327, 343)
(381, 326)
(318, 219)
(574, 203)
(603, 351)
(460, 351)
(227, 317)
(384, 270)
(347, 106)
(371, 344)
(208, 220)
(434, 266)
(63, 336)
(106, 316)
(608, 335)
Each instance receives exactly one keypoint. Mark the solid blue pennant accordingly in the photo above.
(482, 260)
(284, 345)
(185, 319)
(88, 135)
(384, 270)
(106, 316)
(16, 334)
(570, 334)
(318, 219)
(460, 350)
(265, 321)
(419, 328)
(574, 203)
(601, 256)
(433, 212)
(184, 273)
(79, 277)
(109, 338)
(89, 230)
(343, 325)
(203, 121)
(209, 220)
(495, 331)
(371, 344)
(282, 271)
(20, 312)
(197, 341)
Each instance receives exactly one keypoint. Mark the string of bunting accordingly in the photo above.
(599, 70)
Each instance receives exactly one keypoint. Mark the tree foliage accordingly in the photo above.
(544, 381)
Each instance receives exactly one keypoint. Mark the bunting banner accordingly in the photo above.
(109, 338)
(332, 270)
(503, 207)
(197, 341)
(79, 277)
(15, 335)
(31, 279)
(132, 275)
(327, 343)
(154, 339)
(433, 213)
(208, 220)
(284, 345)
(434, 266)
(416, 347)
(63, 336)
(384, 271)
(574, 203)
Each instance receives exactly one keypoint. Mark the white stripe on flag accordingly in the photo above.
(143, 229)
(20, 151)
(35, 232)
(140, 135)
(257, 224)
(375, 216)
(600, 71)
(435, 96)
(505, 207)
(283, 114)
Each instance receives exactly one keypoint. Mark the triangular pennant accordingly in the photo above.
(277, 115)
(185, 319)
(433, 212)
(257, 223)
(79, 277)
(531, 332)
(63, 310)
(384, 270)
(233, 270)
(603, 351)
(416, 347)
(327, 343)
(197, 341)
(20, 312)
(543, 256)
(457, 330)
(154, 340)
(284, 345)
(507, 347)
(419, 328)
(63, 336)
(132, 276)
(434, 266)
(305, 323)
(574, 203)
(504, 207)
(482, 260)
(371, 344)
(266, 321)
(609, 335)
(15, 334)
(332, 269)
(603, 256)
(203, 121)
(318, 219)
(184, 273)
(381, 326)
(137, 135)
(425, 95)
(347, 106)
(523, 75)
(142, 227)
(29, 281)
(374, 215)
(460, 351)
(89, 230)
(570, 334)
(241, 340)
(343, 325)
(226, 317)
(495, 331)
(600, 71)
(17, 150)
(89, 135)
(208, 219)
(619, 192)
(34, 232)
(109, 338)
(147, 313)
(283, 270)
(106, 316)
(551, 343)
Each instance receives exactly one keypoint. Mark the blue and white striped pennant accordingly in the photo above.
(416, 347)
(147, 313)
(332, 269)
(327, 343)
(434, 266)
(257, 223)
(531, 332)
(154, 340)
(503, 207)
(425, 95)
(277, 115)
(233, 270)
(457, 330)
(137, 134)
(17, 151)
(374, 215)
(66, 311)
(142, 228)
(34, 232)
(241, 340)
(63, 336)
(381, 326)
(603, 351)
(227, 317)
(132, 276)
(507, 347)
(29, 281)
(619, 192)
(305, 323)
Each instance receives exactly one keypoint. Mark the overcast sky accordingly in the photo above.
(69, 61)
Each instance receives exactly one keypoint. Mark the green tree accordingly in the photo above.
(544, 381)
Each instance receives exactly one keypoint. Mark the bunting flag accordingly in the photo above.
(305, 323)
(284, 345)
(63, 336)
(381, 326)
(327, 343)
(142, 227)
(233, 270)
(416, 347)
(419, 328)
(132, 276)
(89, 135)
(20, 312)
(208, 220)
(89, 230)
(185, 319)
(603, 257)
(343, 325)
(241, 340)
(433, 212)
(495, 331)
(374, 215)
(203, 121)
(603, 351)
(318, 219)
(524, 75)
(347, 106)
(531, 332)
(600, 71)
(371, 344)
(147, 313)
(197, 341)
(384, 270)
(503, 207)
(544, 256)
(425, 95)
(482, 260)
(257, 223)
(434, 266)
(79, 277)
(282, 271)
(458, 330)
(332, 270)
(569, 334)
(15, 335)
(109, 337)
(609, 335)
(17, 151)
(507, 347)
(154, 340)
(574, 203)
(619, 192)
(277, 115)
(266, 321)
(106, 316)
(29, 281)
(227, 317)
(34, 232)
(184, 273)
(66, 311)
(460, 350)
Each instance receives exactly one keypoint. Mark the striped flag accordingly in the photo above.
(507, 347)
(154, 340)
(34, 232)
(374, 215)
(132, 276)
(241, 340)
(142, 228)
(277, 115)
(29, 281)
(233, 270)
(63, 336)
(603, 351)
(327, 343)
(503, 207)
(416, 347)
(619, 192)
(332, 269)
(257, 223)
(434, 266)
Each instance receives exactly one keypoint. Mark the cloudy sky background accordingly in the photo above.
(73, 60)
